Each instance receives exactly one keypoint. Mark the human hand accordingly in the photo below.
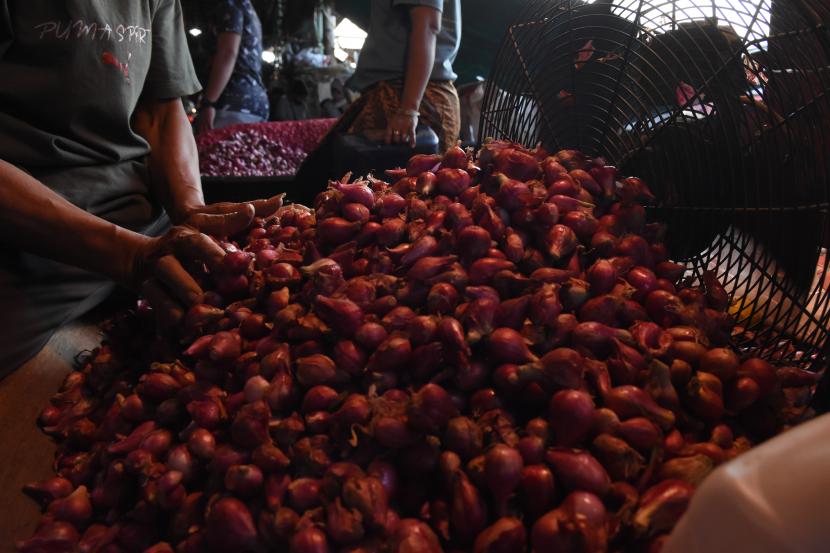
(204, 121)
(159, 268)
(401, 129)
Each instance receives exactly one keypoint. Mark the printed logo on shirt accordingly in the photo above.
(109, 59)
(92, 30)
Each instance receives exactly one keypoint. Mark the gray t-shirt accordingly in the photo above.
(71, 75)
(383, 57)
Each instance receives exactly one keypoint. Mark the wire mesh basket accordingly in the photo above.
(722, 106)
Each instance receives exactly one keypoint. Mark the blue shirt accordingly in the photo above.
(383, 57)
(245, 91)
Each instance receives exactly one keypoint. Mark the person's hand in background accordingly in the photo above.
(205, 118)
(401, 128)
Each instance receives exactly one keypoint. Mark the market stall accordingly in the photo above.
(607, 313)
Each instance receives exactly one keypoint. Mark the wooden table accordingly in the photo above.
(26, 453)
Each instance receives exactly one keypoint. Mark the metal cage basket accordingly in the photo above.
(722, 106)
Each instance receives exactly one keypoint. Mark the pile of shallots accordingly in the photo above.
(490, 354)
(273, 149)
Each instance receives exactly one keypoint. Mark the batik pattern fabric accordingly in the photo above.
(439, 110)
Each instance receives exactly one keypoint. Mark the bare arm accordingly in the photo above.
(425, 26)
(37, 220)
(221, 68)
(173, 161)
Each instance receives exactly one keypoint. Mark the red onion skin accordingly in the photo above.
(303, 494)
(511, 194)
(357, 193)
(482, 271)
(689, 352)
(132, 441)
(601, 276)
(391, 355)
(368, 496)
(422, 329)
(560, 241)
(651, 338)
(516, 164)
(643, 279)
(454, 158)
(355, 212)
(722, 362)
(602, 309)
(629, 401)
(549, 533)
(243, 480)
(52, 536)
(349, 357)
(503, 472)
(562, 367)
(663, 308)
(640, 433)
(506, 535)
(703, 401)
(463, 437)
(309, 540)
(387, 474)
(554, 171)
(578, 470)
(544, 306)
(583, 224)
(49, 490)
(426, 360)
(661, 506)
(452, 182)
(414, 536)
(532, 449)
(605, 421)
(230, 526)
(742, 393)
(442, 299)
(270, 458)
(468, 513)
(431, 408)
(571, 415)
(507, 346)
(537, 490)
(586, 181)
(420, 163)
(761, 372)
(344, 316)
(370, 335)
(392, 432)
(75, 508)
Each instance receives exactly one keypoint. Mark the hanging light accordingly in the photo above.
(268, 56)
(195, 31)
(349, 36)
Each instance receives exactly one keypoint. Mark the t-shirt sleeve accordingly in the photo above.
(437, 4)
(171, 73)
(231, 18)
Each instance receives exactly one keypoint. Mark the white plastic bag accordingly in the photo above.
(773, 499)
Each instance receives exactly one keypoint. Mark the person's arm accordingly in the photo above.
(425, 26)
(173, 160)
(221, 68)
(35, 219)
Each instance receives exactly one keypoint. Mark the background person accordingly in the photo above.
(235, 92)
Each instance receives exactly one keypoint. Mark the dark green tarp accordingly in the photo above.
(484, 25)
